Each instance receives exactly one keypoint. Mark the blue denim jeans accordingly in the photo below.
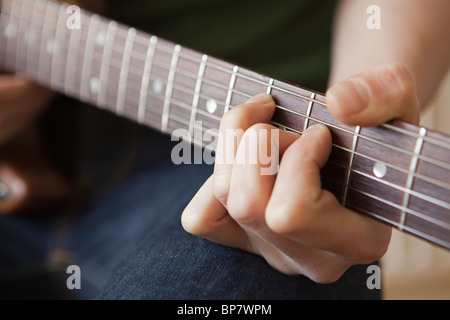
(126, 237)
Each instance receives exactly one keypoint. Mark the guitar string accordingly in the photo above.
(314, 119)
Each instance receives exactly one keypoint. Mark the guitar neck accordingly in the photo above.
(397, 173)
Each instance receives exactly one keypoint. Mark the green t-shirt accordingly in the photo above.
(287, 39)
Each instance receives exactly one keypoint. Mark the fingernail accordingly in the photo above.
(314, 129)
(262, 98)
(351, 95)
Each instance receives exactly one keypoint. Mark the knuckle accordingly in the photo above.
(244, 206)
(400, 72)
(288, 220)
(257, 146)
(404, 82)
(221, 187)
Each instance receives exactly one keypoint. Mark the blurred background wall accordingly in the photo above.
(414, 269)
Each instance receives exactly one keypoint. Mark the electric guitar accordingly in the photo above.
(397, 173)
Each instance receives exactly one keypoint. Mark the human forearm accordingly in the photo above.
(413, 33)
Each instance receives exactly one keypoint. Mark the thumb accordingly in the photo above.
(374, 97)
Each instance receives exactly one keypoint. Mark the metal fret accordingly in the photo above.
(309, 111)
(106, 63)
(19, 28)
(126, 59)
(350, 164)
(146, 78)
(88, 58)
(198, 86)
(169, 88)
(3, 39)
(269, 87)
(43, 46)
(74, 41)
(10, 30)
(31, 53)
(411, 174)
(3, 34)
(54, 70)
(231, 88)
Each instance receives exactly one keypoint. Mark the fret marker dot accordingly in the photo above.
(379, 170)
(157, 86)
(211, 106)
(100, 39)
(94, 85)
